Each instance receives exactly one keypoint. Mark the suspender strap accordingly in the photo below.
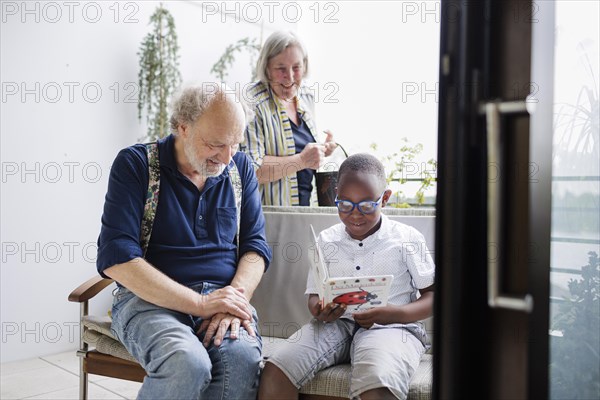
(236, 183)
(151, 195)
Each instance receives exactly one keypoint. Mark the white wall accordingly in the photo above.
(59, 135)
(375, 64)
(374, 71)
(375, 55)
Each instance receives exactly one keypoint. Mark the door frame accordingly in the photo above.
(467, 345)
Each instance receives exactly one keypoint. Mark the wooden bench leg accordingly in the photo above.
(83, 381)
(83, 348)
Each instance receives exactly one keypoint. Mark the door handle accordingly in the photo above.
(493, 112)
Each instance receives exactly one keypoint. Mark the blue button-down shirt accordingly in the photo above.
(193, 238)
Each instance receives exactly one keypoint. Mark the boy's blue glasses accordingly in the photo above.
(365, 207)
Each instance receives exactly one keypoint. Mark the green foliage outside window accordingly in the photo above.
(402, 167)
(575, 356)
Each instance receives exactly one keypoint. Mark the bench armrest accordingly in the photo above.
(89, 289)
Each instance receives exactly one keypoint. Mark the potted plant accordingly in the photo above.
(401, 168)
(159, 72)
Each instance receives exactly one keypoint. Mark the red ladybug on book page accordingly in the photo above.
(358, 297)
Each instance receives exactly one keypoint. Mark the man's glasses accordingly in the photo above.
(365, 207)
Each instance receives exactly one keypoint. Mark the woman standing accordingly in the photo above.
(282, 139)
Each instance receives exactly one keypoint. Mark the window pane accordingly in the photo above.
(575, 245)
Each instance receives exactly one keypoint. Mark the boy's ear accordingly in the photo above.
(386, 196)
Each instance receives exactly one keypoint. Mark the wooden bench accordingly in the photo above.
(279, 300)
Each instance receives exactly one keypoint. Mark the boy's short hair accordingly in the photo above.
(366, 163)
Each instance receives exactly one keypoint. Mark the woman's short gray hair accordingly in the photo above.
(276, 43)
(191, 100)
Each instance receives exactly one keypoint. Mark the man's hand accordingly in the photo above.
(226, 300)
(378, 315)
(219, 324)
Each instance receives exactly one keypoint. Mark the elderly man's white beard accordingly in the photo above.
(207, 169)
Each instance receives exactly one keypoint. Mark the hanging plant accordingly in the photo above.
(226, 60)
(159, 72)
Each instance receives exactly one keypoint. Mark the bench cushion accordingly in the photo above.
(333, 381)
(99, 335)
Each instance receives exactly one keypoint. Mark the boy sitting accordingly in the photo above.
(384, 344)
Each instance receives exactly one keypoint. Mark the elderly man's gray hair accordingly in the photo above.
(191, 100)
(275, 44)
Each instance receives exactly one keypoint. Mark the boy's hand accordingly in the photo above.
(377, 315)
(330, 312)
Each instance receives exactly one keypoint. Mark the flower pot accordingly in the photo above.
(326, 188)
(326, 178)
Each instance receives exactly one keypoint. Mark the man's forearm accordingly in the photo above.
(155, 287)
(249, 273)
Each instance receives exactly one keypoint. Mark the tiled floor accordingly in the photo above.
(57, 377)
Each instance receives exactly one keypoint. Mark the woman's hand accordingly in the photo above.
(330, 144)
(313, 155)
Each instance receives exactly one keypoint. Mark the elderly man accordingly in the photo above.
(187, 266)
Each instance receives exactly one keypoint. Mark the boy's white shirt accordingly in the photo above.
(395, 249)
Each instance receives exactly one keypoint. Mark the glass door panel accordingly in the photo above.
(575, 237)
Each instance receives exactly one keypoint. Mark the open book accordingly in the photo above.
(357, 292)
